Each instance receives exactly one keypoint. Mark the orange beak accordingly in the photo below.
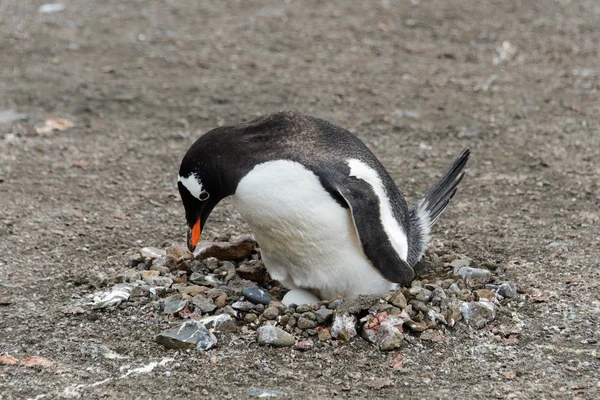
(194, 236)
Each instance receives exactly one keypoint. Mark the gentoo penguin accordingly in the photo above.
(326, 214)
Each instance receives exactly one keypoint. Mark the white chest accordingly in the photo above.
(306, 238)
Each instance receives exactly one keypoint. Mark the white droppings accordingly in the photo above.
(392, 228)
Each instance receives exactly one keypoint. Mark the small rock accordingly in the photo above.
(421, 294)
(226, 251)
(151, 253)
(478, 313)
(383, 330)
(298, 297)
(244, 306)
(415, 326)
(221, 300)
(453, 288)
(203, 304)
(304, 345)
(258, 392)
(119, 293)
(302, 308)
(197, 277)
(344, 326)
(432, 335)
(270, 313)
(157, 292)
(178, 252)
(190, 335)
(160, 281)
(484, 294)
(335, 304)
(380, 383)
(305, 323)
(324, 335)
(460, 263)
(482, 275)
(221, 322)
(253, 270)
(256, 295)
(270, 335)
(147, 274)
(324, 315)
(399, 300)
(250, 317)
(193, 290)
(174, 304)
(508, 290)
(5, 301)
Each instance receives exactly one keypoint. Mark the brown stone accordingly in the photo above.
(226, 251)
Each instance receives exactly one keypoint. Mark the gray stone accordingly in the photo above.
(218, 322)
(271, 313)
(270, 335)
(253, 270)
(478, 313)
(190, 335)
(174, 304)
(324, 315)
(305, 323)
(302, 308)
(421, 294)
(197, 277)
(454, 289)
(244, 306)
(508, 290)
(399, 300)
(256, 295)
(344, 326)
(335, 304)
(482, 275)
(203, 304)
(159, 281)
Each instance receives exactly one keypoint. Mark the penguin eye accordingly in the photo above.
(203, 196)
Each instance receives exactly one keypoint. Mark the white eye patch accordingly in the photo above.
(193, 184)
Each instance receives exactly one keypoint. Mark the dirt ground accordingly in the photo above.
(516, 81)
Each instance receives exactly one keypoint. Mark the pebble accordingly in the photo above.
(203, 304)
(190, 335)
(221, 300)
(163, 281)
(193, 290)
(270, 313)
(335, 304)
(303, 308)
(299, 297)
(244, 306)
(421, 294)
(270, 335)
(178, 252)
(324, 315)
(478, 313)
(399, 300)
(250, 317)
(344, 326)
(253, 270)
(151, 253)
(324, 335)
(482, 275)
(305, 323)
(304, 345)
(484, 294)
(256, 295)
(383, 330)
(174, 304)
(508, 290)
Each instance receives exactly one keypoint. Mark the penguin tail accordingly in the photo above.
(427, 211)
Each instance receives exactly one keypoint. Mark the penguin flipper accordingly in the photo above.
(364, 207)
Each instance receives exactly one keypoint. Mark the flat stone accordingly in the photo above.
(244, 306)
(151, 253)
(226, 251)
(193, 290)
(178, 252)
(221, 322)
(160, 281)
(482, 275)
(256, 295)
(190, 335)
(421, 294)
(478, 313)
(197, 277)
(174, 304)
(344, 326)
(270, 335)
(203, 304)
(324, 315)
(299, 297)
(253, 270)
(399, 300)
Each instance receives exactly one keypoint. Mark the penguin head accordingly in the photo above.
(201, 189)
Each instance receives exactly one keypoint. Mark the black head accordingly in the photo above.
(201, 188)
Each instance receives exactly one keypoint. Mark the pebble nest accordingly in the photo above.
(224, 288)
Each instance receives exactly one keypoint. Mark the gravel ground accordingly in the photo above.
(516, 81)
